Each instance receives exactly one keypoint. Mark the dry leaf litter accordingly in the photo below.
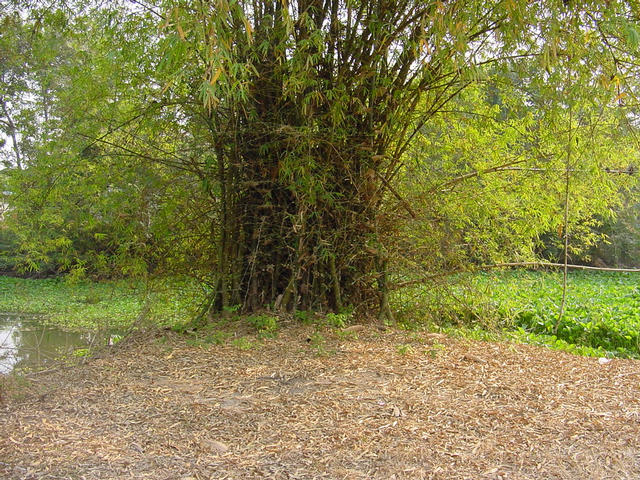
(355, 407)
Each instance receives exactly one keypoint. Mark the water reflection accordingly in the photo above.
(26, 342)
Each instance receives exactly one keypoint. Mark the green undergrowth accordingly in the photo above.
(601, 316)
(116, 305)
(247, 332)
(602, 310)
(520, 335)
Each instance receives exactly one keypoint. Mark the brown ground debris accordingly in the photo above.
(391, 405)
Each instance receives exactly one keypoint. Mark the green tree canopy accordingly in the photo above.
(303, 143)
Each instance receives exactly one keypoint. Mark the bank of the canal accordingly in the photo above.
(28, 342)
(44, 320)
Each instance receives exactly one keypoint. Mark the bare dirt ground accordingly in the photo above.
(390, 405)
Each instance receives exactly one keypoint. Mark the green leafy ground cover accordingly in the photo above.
(113, 305)
(602, 312)
(601, 318)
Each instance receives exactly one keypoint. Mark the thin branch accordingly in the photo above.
(133, 153)
(13, 132)
(400, 198)
(566, 221)
(148, 9)
(550, 264)
(477, 173)
(484, 268)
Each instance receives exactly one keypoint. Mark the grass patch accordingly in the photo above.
(601, 318)
(602, 313)
(243, 343)
(117, 304)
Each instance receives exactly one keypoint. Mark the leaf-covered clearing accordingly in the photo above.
(317, 403)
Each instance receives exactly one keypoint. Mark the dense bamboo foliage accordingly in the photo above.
(300, 154)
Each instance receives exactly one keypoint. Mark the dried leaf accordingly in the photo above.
(214, 445)
(354, 328)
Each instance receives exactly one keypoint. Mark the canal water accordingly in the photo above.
(26, 342)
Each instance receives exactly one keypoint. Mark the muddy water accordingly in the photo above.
(25, 342)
